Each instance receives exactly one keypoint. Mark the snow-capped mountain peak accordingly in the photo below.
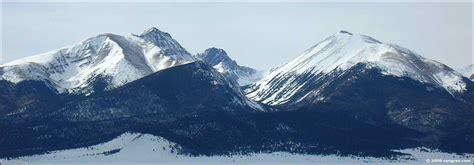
(342, 51)
(219, 59)
(153, 30)
(214, 56)
(109, 58)
(328, 55)
(164, 40)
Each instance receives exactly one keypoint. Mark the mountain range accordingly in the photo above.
(349, 95)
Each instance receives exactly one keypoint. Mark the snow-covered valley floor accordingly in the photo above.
(135, 148)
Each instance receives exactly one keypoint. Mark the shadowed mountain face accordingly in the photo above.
(378, 99)
(27, 96)
(188, 88)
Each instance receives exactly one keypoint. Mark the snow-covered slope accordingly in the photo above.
(467, 71)
(114, 59)
(341, 52)
(136, 148)
(219, 59)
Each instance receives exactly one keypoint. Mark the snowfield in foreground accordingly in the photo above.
(135, 148)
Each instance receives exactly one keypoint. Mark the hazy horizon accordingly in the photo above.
(258, 35)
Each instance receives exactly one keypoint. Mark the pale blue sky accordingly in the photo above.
(259, 35)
